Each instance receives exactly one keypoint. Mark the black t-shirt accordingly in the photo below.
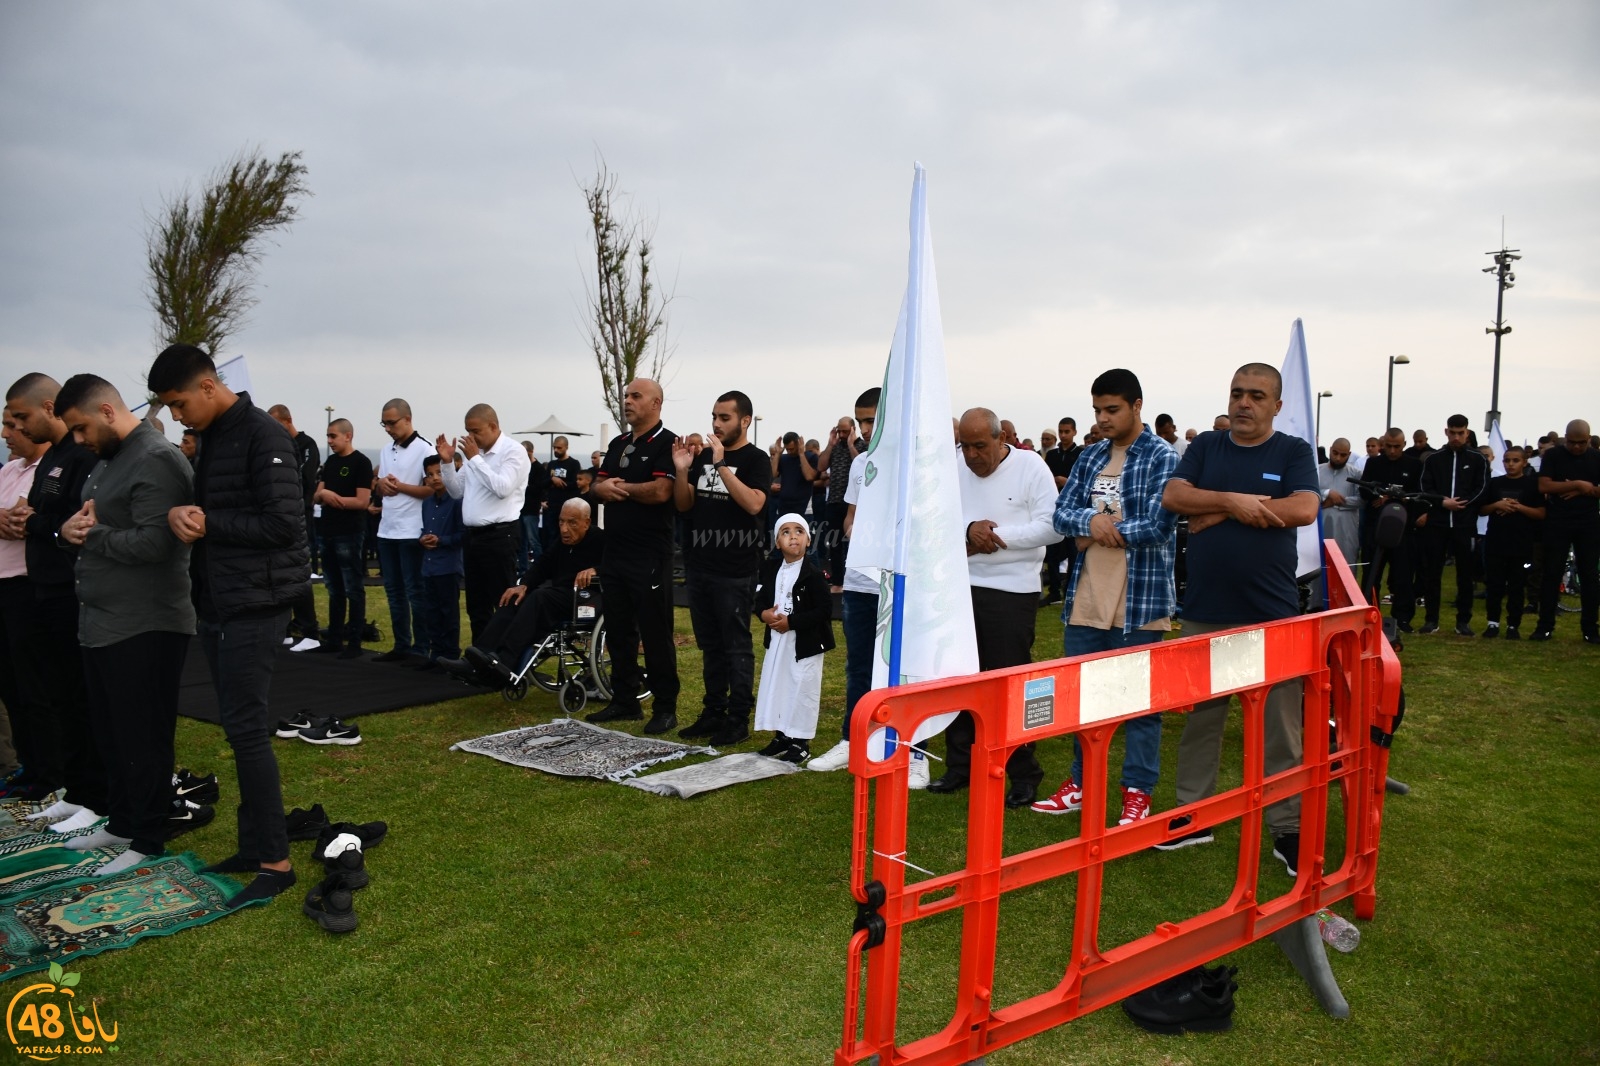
(1060, 460)
(1239, 574)
(556, 495)
(343, 475)
(793, 488)
(637, 531)
(725, 538)
(1512, 533)
(1561, 465)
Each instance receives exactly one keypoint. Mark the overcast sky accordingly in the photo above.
(1160, 186)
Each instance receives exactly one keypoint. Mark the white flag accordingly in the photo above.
(1297, 420)
(1497, 466)
(908, 516)
(234, 374)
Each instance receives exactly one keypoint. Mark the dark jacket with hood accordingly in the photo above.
(253, 559)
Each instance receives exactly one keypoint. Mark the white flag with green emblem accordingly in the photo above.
(908, 514)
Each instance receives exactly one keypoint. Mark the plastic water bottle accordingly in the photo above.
(1337, 931)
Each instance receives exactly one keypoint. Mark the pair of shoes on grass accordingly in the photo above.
(321, 731)
(341, 848)
(787, 749)
(1196, 1001)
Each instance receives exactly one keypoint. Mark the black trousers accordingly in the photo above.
(241, 653)
(305, 608)
(1505, 575)
(1005, 624)
(1401, 564)
(719, 609)
(517, 627)
(133, 707)
(16, 601)
(1439, 541)
(1064, 550)
(833, 537)
(441, 616)
(489, 557)
(51, 680)
(1582, 537)
(639, 610)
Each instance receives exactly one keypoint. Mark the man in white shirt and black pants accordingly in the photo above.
(490, 485)
(399, 482)
(1008, 498)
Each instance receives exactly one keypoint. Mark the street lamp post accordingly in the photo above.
(1502, 272)
(1320, 395)
(1388, 411)
(329, 409)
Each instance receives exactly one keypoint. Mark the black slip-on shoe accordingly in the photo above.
(331, 906)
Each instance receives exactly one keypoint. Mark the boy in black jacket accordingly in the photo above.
(794, 600)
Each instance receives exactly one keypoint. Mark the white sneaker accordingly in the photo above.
(918, 777)
(835, 758)
(308, 644)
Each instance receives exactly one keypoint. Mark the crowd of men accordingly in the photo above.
(120, 547)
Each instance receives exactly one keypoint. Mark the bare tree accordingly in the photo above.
(627, 318)
(202, 252)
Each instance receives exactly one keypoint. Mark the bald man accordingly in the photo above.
(635, 482)
(1341, 503)
(490, 485)
(1569, 476)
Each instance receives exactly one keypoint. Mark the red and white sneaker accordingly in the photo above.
(1135, 806)
(1068, 798)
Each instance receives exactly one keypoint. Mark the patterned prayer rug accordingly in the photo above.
(21, 874)
(689, 781)
(20, 839)
(87, 915)
(572, 748)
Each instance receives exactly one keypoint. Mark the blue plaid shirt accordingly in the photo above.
(1149, 529)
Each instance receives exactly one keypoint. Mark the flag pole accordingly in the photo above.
(908, 428)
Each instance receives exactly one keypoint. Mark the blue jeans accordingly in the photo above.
(1141, 756)
(344, 568)
(401, 562)
(532, 545)
(860, 636)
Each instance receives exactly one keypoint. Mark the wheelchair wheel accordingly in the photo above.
(574, 696)
(599, 653)
(546, 669)
(514, 691)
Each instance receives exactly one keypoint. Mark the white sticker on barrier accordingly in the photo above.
(1111, 687)
(1238, 660)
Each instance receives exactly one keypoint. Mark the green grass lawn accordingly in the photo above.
(519, 917)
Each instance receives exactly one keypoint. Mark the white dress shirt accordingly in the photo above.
(491, 484)
(16, 480)
(402, 514)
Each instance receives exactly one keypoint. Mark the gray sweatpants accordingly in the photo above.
(1200, 747)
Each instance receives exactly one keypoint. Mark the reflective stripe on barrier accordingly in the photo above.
(1350, 673)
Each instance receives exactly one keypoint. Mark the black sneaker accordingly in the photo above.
(780, 743)
(1541, 634)
(661, 722)
(332, 731)
(305, 825)
(291, 726)
(1464, 630)
(1199, 836)
(343, 854)
(1196, 1001)
(331, 906)
(1591, 638)
(187, 785)
(1404, 627)
(1511, 633)
(1429, 628)
(734, 731)
(1286, 849)
(187, 815)
(1491, 631)
(704, 726)
(393, 655)
(797, 752)
(616, 711)
(371, 834)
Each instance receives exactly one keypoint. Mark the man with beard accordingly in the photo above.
(1460, 474)
(136, 618)
(1341, 503)
(1393, 467)
(723, 489)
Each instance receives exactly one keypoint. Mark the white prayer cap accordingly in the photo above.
(799, 520)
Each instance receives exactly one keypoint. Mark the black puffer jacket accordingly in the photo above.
(253, 557)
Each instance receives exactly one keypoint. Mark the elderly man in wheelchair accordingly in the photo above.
(536, 606)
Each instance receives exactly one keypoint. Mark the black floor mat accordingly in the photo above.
(325, 685)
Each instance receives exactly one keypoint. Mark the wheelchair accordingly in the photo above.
(573, 662)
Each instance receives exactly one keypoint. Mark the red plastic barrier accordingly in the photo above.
(1351, 675)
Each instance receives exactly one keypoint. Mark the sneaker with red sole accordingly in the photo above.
(1135, 806)
(1068, 798)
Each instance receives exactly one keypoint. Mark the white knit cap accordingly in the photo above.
(799, 520)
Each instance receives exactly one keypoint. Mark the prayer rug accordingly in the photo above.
(88, 915)
(22, 839)
(21, 874)
(689, 781)
(572, 748)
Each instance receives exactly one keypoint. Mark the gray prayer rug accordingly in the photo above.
(718, 773)
(572, 748)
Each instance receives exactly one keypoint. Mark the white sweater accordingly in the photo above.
(1019, 497)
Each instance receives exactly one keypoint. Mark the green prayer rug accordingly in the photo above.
(88, 915)
(21, 874)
